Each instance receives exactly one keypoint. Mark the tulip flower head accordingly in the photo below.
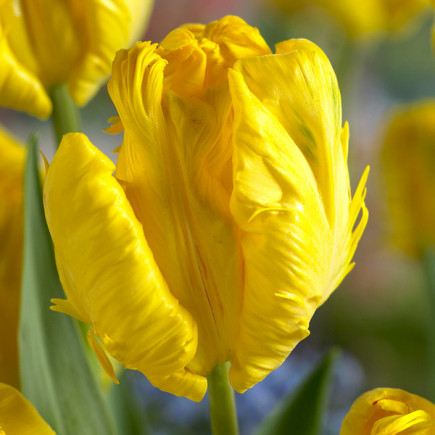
(408, 158)
(362, 19)
(47, 42)
(389, 411)
(18, 416)
(12, 157)
(228, 219)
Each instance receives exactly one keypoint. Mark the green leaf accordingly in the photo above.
(55, 372)
(303, 411)
(128, 413)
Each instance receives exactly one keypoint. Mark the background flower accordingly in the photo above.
(408, 159)
(45, 43)
(362, 18)
(389, 411)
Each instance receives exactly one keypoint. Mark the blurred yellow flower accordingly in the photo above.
(362, 18)
(12, 157)
(47, 42)
(18, 416)
(389, 411)
(229, 219)
(408, 167)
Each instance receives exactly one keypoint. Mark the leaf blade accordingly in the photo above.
(55, 371)
(302, 412)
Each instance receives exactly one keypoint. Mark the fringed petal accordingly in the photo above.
(285, 237)
(236, 39)
(291, 199)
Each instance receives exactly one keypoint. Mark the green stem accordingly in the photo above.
(428, 263)
(66, 115)
(429, 275)
(223, 412)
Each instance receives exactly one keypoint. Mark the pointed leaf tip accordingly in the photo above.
(304, 409)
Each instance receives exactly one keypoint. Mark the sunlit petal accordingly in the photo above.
(103, 256)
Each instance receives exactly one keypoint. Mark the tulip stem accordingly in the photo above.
(223, 412)
(429, 272)
(66, 115)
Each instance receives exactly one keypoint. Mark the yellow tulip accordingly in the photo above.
(47, 42)
(362, 18)
(408, 160)
(18, 416)
(12, 157)
(229, 218)
(389, 411)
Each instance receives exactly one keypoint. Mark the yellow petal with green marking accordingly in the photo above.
(291, 200)
(108, 270)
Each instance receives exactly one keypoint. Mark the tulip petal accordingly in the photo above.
(101, 355)
(108, 271)
(18, 415)
(19, 88)
(236, 39)
(185, 72)
(176, 161)
(199, 56)
(291, 199)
